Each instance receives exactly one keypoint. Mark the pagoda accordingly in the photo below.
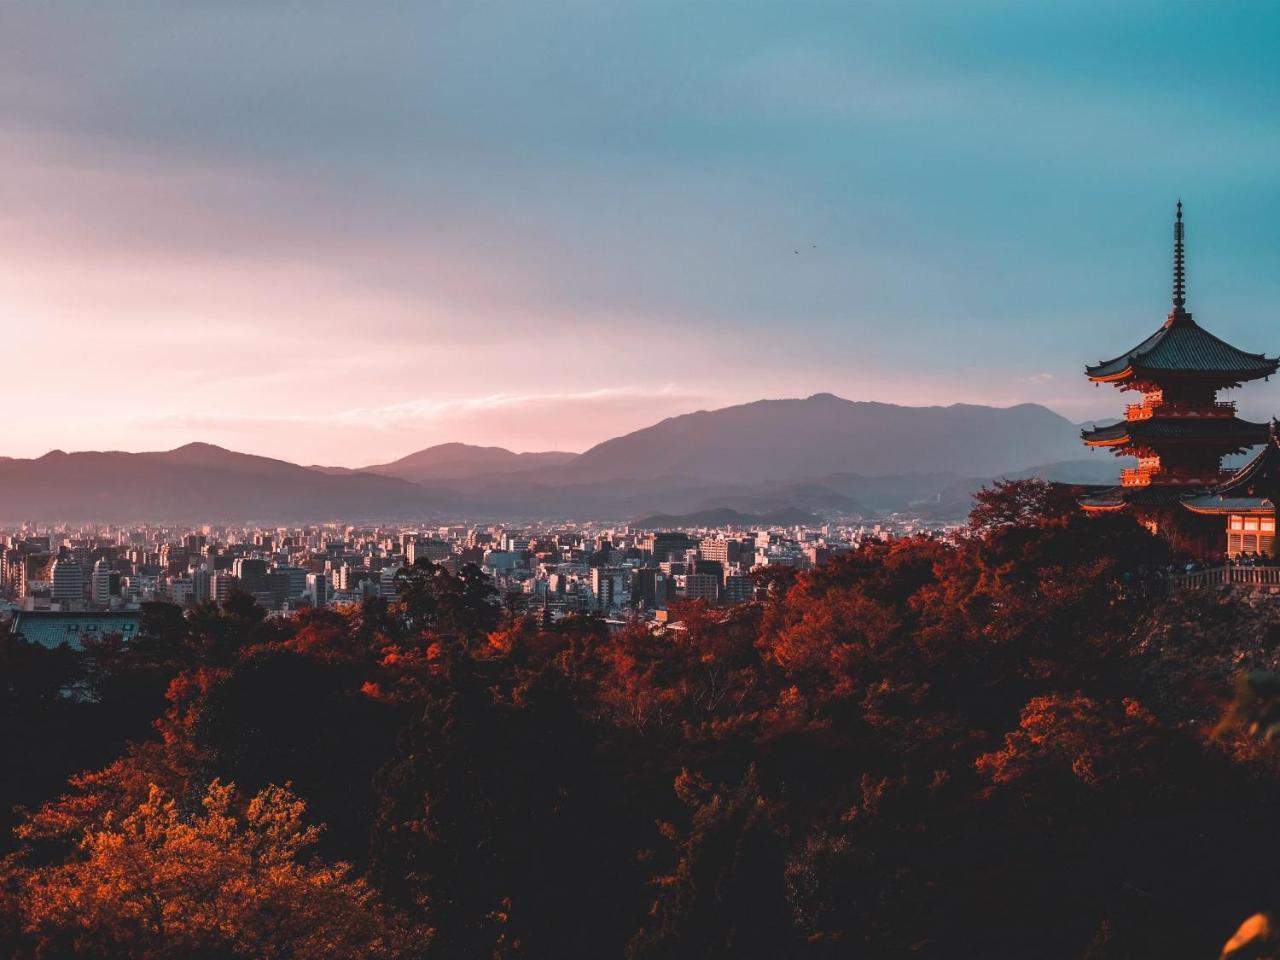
(1179, 431)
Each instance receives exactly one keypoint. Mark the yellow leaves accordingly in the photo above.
(275, 816)
(231, 879)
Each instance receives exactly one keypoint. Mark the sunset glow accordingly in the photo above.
(337, 237)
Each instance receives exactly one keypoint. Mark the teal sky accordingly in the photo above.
(343, 231)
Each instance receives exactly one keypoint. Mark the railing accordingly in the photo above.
(1140, 477)
(1221, 576)
(1145, 411)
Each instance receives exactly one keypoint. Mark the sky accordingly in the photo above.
(340, 232)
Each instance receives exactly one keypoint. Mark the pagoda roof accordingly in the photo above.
(1109, 499)
(1242, 433)
(1183, 347)
(1117, 498)
(1254, 488)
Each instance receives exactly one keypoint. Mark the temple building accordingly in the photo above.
(1248, 502)
(1179, 431)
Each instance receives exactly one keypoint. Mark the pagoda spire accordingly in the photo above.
(1179, 268)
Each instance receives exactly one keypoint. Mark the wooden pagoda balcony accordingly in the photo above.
(1140, 477)
(1145, 411)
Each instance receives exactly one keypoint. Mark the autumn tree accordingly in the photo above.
(227, 881)
(284, 716)
(462, 607)
(1020, 503)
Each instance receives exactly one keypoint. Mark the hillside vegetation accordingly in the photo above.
(1001, 749)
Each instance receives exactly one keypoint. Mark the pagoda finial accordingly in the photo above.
(1179, 265)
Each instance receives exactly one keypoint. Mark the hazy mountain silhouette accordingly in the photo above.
(451, 461)
(458, 461)
(821, 455)
(824, 434)
(198, 481)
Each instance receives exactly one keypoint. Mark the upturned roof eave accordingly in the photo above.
(1248, 506)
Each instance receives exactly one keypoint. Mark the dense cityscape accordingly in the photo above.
(66, 584)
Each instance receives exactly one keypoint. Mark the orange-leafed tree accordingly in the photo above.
(1018, 503)
(1061, 733)
(229, 880)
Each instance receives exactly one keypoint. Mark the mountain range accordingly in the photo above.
(772, 440)
(819, 455)
(458, 461)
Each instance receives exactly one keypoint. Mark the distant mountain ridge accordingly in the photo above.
(824, 434)
(193, 482)
(460, 460)
(820, 455)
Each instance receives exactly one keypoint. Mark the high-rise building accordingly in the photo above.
(295, 581)
(651, 588)
(738, 588)
(669, 545)
(718, 550)
(201, 587)
(702, 586)
(181, 591)
(67, 578)
(221, 584)
(433, 550)
(611, 587)
(387, 582)
(252, 574)
(106, 583)
(713, 567)
(318, 589)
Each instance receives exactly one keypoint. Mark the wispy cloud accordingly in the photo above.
(371, 230)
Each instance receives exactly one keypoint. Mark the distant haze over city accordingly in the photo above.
(820, 456)
(337, 238)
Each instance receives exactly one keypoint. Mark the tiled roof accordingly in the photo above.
(1115, 498)
(1183, 346)
(52, 628)
(1109, 499)
(1211, 503)
(1260, 476)
(1243, 432)
(1254, 487)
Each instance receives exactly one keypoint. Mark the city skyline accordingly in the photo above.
(373, 231)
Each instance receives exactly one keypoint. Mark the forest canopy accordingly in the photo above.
(1014, 745)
